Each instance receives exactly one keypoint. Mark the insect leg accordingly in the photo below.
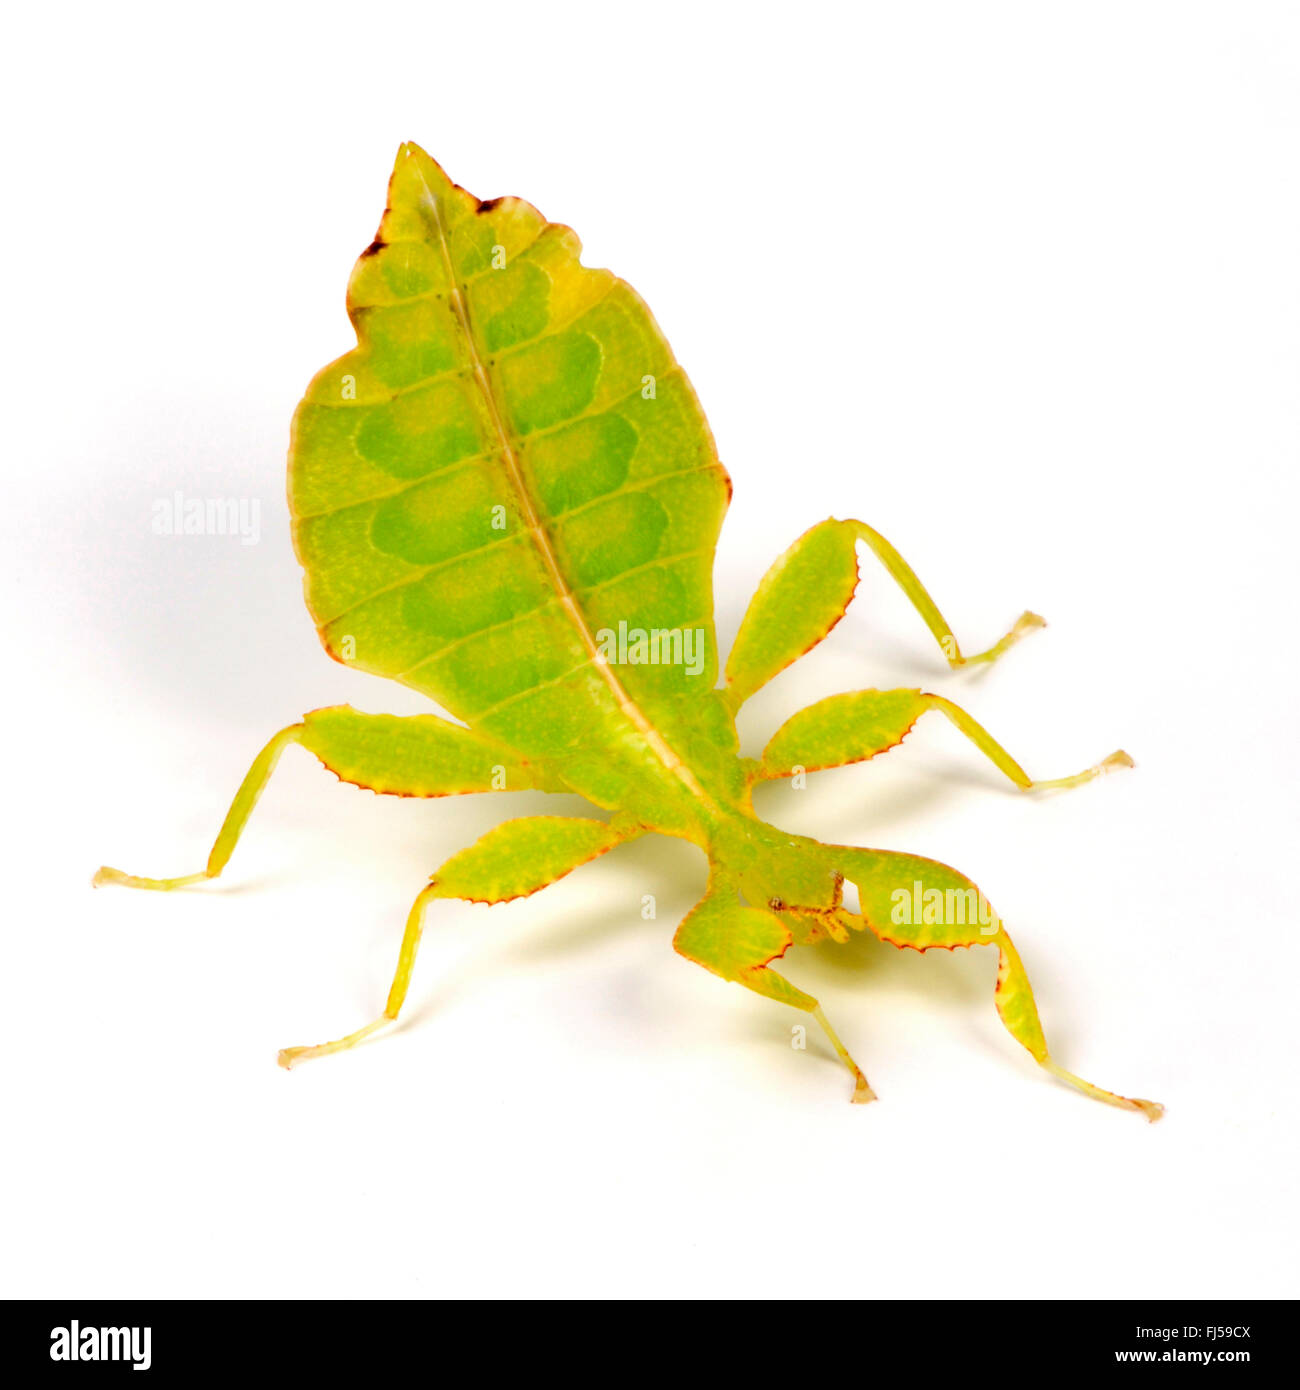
(232, 827)
(853, 727)
(905, 577)
(396, 994)
(513, 860)
(806, 592)
(1003, 760)
(737, 943)
(412, 755)
(919, 903)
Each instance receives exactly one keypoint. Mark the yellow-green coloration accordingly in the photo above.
(507, 497)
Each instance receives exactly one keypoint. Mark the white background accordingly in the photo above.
(1019, 285)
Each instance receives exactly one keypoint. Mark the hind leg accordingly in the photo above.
(738, 943)
(232, 827)
(808, 589)
(412, 755)
(515, 859)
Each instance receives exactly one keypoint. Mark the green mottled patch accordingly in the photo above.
(422, 431)
(480, 591)
(503, 663)
(550, 381)
(661, 596)
(411, 343)
(389, 274)
(580, 462)
(512, 305)
(448, 515)
(612, 536)
(630, 345)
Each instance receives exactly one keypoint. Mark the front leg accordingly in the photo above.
(739, 943)
(920, 904)
(806, 592)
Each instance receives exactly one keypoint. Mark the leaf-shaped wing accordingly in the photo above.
(508, 467)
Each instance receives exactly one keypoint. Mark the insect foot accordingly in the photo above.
(1026, 623)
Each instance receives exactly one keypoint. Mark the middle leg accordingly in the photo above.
(807, 591)
(851, 728)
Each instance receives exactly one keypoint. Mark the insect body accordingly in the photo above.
(507, 497)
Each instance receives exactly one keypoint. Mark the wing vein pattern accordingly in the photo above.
(508, 467)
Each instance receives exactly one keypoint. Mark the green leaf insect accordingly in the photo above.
(507, 498)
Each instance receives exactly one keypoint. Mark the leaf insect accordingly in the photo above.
(507, 498)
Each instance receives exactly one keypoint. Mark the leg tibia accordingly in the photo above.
(416, 755)
(806, 592)
(862, 724)
(516, 858)
(906, 579)
(919, 903)
(396, 994)
(1003, 760)
(232, 827)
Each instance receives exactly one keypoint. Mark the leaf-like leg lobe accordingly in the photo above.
(416, 755)
(807, 591)
(854, 727)
(739, 943)
(515, 859)
(921, 904)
